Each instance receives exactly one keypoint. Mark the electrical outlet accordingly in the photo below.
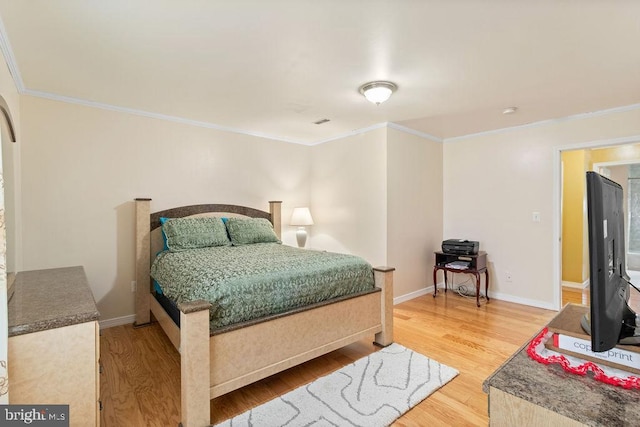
(134, 286)
(508, 277)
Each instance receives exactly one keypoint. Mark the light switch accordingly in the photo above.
(535, 217)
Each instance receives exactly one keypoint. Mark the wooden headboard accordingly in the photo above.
(149, 240)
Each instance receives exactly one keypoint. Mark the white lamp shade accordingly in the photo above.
(378, 91)
(377, 95)
(301, 217)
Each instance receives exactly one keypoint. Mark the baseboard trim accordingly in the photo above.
(414, 294)
(575, 285)
(130, 319)
(523, 301)
(117, 321)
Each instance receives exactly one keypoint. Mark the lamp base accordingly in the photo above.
(301, 237)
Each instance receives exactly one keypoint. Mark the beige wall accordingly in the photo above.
(82, 167)
(493, 183)
(414, 209)
(349, 196)
(379, 195)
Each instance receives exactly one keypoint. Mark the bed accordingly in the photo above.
(210, 365)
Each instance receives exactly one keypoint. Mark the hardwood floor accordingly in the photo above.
(581, 296)
(575, 295)
(140, 383)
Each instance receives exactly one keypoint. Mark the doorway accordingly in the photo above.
(613, 161)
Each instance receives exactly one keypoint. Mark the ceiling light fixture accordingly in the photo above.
(510, 110)
(378, 92)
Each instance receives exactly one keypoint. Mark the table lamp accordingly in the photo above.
(301, 217)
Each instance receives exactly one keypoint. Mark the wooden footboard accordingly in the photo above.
(214, 365)
(243, 356)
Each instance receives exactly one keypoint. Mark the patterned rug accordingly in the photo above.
(373, 391)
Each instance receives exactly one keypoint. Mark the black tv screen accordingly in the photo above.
(610, 319)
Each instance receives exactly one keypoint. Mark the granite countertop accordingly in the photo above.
(47, 299)
(580, 398)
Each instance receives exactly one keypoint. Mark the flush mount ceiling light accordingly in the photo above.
(509, 110)
(378, 92)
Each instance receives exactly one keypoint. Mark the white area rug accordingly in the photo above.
(373, 391)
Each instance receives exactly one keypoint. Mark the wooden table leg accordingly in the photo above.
(435, 284)
(486, 284)
(446, 285)
(477, 288)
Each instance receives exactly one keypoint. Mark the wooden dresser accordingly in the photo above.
(53, 343)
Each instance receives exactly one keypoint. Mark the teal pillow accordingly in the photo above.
(194, 233)
(245, 231)
(164, 236)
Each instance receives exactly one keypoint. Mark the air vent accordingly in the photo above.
(321, 121)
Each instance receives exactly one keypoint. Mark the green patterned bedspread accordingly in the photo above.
(252, 281)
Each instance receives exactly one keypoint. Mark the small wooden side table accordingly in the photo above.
(476, 264)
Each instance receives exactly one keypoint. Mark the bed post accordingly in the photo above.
(195, 361)
(143, 261)
(383, 277)
(275, 208)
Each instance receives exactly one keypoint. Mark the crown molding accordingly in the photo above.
(352, 133)
(208, 125)
(389, 125)
(599, 143)
(414, 132)
(573, 117)
(7, 52)
(10, 59)
(175, 119)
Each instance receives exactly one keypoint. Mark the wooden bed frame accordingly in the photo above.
(209, 364)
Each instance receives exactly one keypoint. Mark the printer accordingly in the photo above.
(460, 247)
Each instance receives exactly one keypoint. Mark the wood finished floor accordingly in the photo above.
(140, 383)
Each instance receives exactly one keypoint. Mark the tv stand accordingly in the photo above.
(629, 335)
(469, 264)
(525, 392)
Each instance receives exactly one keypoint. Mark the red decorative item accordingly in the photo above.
(536, 348)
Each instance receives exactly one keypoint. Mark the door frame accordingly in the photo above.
(557, 201)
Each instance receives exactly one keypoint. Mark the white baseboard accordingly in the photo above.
(523, 301)
(575, 285)
(492, 295)
(117, 321)
(124, 320)
(412, 295)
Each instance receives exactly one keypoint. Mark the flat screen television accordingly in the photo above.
(610, 319)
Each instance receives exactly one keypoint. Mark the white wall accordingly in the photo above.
(82, 167)
(376, 194)
(349, 196)
(494, 182)
(414, 208)
(379, 195)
